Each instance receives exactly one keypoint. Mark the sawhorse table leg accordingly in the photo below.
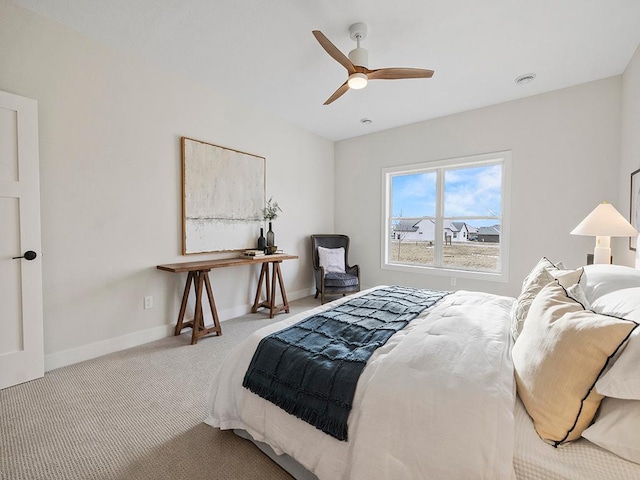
(200, 278)
(270, 284)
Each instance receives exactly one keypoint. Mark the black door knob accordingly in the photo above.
(28, 255)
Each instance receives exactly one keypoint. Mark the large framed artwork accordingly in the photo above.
(634, 217)
(223, 194)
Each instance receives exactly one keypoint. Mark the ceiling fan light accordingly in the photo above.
(357, 81)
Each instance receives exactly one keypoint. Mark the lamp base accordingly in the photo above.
(590, 259)
(602, 252)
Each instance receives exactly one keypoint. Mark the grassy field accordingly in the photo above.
(474, 255)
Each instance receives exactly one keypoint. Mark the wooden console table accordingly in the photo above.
(198, 275)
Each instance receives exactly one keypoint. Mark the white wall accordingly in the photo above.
(565, 146)
(630, 147)
(110, 128)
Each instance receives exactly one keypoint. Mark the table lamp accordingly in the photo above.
(603, 223)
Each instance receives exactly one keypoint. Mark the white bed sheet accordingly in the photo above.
(436, 401)
(581, 460)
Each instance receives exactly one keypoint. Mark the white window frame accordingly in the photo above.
(503, 158)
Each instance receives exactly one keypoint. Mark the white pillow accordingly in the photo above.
(623, 378)
(331, 259)
(624, 303)
(567, 278)
(576, 292)
(598, 280)
(543, 273)
(537, 278)
(616, 428)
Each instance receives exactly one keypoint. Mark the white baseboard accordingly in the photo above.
(111, 345)
(104, 347)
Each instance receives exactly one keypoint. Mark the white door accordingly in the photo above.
(21, 342)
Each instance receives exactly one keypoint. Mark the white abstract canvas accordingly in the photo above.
(223, 197)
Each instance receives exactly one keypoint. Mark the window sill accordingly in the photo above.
(447, 272)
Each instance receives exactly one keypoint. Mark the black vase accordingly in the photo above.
(262, 242)
(270, 237)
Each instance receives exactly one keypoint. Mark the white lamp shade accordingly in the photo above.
(605, 220)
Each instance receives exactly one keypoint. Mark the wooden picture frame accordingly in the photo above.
(223, 194)
(634, 215)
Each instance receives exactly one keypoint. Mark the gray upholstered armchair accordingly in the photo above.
(332, 281)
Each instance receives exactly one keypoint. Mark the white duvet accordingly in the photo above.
(435, 402)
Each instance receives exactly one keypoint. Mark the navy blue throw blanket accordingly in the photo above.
(311, 368)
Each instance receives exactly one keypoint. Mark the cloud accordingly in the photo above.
(414, 195)
(474, 191)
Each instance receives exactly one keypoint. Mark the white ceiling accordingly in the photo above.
(263, 52)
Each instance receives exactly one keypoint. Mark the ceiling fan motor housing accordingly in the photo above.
(359, 56)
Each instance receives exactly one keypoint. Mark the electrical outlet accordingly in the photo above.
(453, 281)
(148, 302)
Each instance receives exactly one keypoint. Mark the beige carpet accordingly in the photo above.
(135, 414)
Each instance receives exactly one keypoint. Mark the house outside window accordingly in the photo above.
(448, 217)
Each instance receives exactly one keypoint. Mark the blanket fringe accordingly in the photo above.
(333, 427)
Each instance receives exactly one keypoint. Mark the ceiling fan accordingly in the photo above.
(356, 64)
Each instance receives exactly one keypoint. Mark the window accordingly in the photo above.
(448, 217)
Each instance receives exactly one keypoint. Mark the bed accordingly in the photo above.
(438, 399)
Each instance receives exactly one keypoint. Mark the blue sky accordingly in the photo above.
(468, 192)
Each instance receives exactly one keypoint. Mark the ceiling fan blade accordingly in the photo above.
(398, 73)
(332, 50)
(338, 93)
